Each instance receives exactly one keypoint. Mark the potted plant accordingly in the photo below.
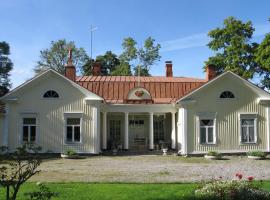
(70, 153)
(213, 155)
(164, 148)
(256, 155)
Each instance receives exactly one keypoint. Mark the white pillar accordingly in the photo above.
(182, 131)
(5, 138)
(104, 131)
(173, 134)
(268, 127)
(126, 132)
(96, 128)
(151, 131)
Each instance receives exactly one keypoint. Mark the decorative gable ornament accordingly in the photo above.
(139, 93)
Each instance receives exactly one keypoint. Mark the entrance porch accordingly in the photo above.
(137, 130)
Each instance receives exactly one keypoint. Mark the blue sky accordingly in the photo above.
(180, 26)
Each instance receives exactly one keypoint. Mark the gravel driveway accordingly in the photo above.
(149, 169)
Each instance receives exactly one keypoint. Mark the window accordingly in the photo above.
(159, 127)
(115, 130)
(51, 94)
(248, 128)
(29, 130)
(73, 129)
(226, 95)
(207, 131)
(136, 123)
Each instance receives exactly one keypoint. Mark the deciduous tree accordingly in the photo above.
(233, 47)
(5, 68)
(56, 56)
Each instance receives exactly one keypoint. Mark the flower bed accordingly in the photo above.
(256, 155)
(236, 189)
(213, 155)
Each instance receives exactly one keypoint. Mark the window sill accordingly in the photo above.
(206, 144)
(72, 143)
(247, 143)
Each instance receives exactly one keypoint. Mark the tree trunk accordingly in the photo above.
(7, 195)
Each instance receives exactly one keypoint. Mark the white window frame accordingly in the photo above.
(29, 115)
(206, 116)
(253, 116)
(73, 115)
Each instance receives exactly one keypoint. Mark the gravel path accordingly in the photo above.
(149, 169)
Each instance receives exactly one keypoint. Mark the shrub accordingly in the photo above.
(70, 152)
(214, 153)
(239, 189)
(44, 193)
(256, 153)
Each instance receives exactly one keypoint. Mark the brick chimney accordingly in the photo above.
(70, 70)
(169, 71)
(96, 70)
(210, 72)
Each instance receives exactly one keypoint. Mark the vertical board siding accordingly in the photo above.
(50, 117)
(227, 118)
(1, 129)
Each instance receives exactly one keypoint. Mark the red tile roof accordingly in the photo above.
(164, 90)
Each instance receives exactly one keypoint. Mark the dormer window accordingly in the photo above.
(51, 94)
(226, 95)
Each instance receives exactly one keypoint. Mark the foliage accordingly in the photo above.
(123, 69)
(214, 153)
(3, 149)
(56, 56)
(141, 59)
(234, 50)
(5, 68)
(70, 152)
(263, 59)
(109, 61)
(257, 154)
(238, 189)
(44, 193)
(23, 165)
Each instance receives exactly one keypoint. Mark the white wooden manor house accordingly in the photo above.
(94, 113)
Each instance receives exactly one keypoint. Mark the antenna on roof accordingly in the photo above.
(139, 75)
(91, 50)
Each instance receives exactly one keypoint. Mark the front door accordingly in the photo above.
(159, 129)
(115, 132)
(137, 138)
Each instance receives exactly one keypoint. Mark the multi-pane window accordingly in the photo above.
(73, 130)
(29, 129)
(51, 94)
(248, 131)
(226, 95)
(159, 134)
(207, 131)
(136, 123)
(115, 130)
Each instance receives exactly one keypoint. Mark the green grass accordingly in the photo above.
(117, 191)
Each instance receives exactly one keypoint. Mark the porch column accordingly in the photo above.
(173, 135)
(5, 127)
(96, 128)
(268, 127)
(182, 130)
(151, 131)
(104, 131)
(126, 132)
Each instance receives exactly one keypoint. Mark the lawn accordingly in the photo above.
(92, 191)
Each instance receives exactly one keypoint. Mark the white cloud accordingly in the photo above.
(192, 41)
(201, 39)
